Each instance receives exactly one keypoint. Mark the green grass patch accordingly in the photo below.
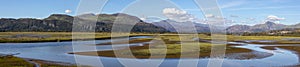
(14, 62)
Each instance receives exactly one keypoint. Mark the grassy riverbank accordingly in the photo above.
(165, 46)
(30, 37)
(170, 46)
(14, 62)
(20, 62)
(19, 37)
(165, 51)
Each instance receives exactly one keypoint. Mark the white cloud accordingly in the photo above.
(68, 11)
(212, 16)
(151, 19)
(274, 18)
(229, 21)
(183, 16)
(143, 19)
(209, 15)
(178, 15)
(174, 11)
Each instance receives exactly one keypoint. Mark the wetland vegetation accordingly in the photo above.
(156, 46)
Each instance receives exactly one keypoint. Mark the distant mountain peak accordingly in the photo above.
(59, 15)
(118, 14)
(87, 14)
(267, 26)
(270, 23)
(172, 25)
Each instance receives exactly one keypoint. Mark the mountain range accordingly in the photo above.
(104, 23)
(204, 28)
(267, 26)
(185, 27)
(64, 23)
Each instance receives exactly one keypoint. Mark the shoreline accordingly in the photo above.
(66, 40)
(43, 63)
(29, 62)
(205, 53)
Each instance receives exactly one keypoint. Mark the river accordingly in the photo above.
(58, 51)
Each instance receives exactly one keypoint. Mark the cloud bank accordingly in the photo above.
(183, 16)
(274, 18)
(178, 15)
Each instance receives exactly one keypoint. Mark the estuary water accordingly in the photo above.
(58, 51)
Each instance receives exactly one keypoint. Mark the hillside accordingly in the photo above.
(267, 26)
(64, 23)
(172, 25)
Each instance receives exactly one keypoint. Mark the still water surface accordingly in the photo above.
(57, 51)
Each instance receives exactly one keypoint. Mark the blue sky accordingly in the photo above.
(238, 11)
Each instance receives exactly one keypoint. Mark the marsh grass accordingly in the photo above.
(139, 40)
(14, 62)
(20, 62)
(54, 64)
(172, 47)
(17, 37)
(165, 51)
(232, 37)
(67, 36)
